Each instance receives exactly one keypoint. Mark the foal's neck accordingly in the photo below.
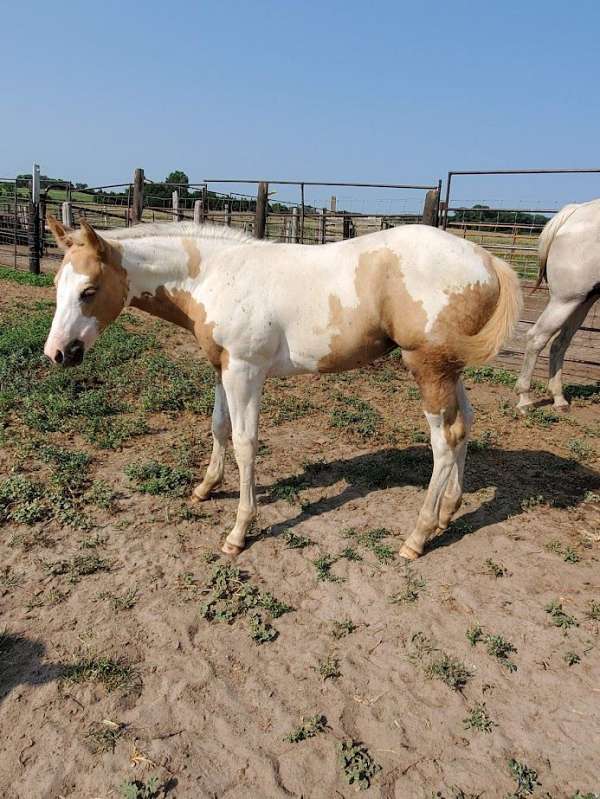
(163, 275)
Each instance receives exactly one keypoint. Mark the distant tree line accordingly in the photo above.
(498, 219)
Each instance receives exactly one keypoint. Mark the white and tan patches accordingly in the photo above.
(69, 323)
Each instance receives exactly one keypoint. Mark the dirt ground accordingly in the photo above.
(126, 648)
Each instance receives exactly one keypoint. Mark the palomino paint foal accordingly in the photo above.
(259, 309)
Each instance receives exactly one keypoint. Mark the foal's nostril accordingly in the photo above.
(58, 357)
(73, 354)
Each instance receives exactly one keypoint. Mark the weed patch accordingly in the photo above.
(232, 596)
(308, 729)
(112, 674)
(355, 415)
(156, 478)
(496, 646)
(559, 617)
(478, 719)
(356, 763)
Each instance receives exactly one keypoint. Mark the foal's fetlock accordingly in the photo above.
(204, 489)
(408, 553)
(448, 507)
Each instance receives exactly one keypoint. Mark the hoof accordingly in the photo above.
(409, 553)
(562, 408)
(231, 549)
(525, 408)
(199, 495)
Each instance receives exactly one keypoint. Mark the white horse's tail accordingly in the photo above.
(547, 237)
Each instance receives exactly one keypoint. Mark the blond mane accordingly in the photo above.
(179, 229)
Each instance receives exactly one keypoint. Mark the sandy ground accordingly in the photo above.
(208, 710)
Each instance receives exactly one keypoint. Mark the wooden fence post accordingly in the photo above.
(348, 227)
(262, 199)
(431, 207)
(333, 204)
(295, 225)
(227, 214)
(175, 202)
(137, 205)
(67, 214)
(197, 211)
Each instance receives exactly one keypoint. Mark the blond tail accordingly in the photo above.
(483, 346)
(547, 237)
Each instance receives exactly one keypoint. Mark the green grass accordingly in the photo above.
(580, 449)
(355, 415)
(112, 674)
(156, 478)
(358, 767)
(373, 541)
(25, 278)
(77, 567)
(491, 374)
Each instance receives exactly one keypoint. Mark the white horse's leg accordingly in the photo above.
(551, 319)
(452, 499)
(221, 429)
(243, 385)
(559, 348)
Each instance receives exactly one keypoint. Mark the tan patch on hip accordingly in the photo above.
(386, 315)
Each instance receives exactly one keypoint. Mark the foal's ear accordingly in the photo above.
(89, 236)
(63, 235)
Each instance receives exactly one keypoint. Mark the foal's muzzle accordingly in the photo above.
(72, 355)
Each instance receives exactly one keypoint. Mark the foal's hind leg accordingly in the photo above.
(552, 318)
(452, 499)
(449, 430)
(559, 348)
(221, 429)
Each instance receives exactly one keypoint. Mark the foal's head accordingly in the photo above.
(91, 290)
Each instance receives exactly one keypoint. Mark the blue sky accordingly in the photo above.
(339, 90)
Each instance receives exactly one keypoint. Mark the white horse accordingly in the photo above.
(569, 260)
(259, 309)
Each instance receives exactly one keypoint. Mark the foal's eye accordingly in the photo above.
(88, 294)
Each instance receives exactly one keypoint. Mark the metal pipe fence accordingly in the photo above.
(319, 213)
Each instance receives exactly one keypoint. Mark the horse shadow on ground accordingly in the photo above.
(522, 479)
(22, 663)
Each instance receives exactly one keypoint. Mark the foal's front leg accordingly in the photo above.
(221, 429)
(243, 385)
